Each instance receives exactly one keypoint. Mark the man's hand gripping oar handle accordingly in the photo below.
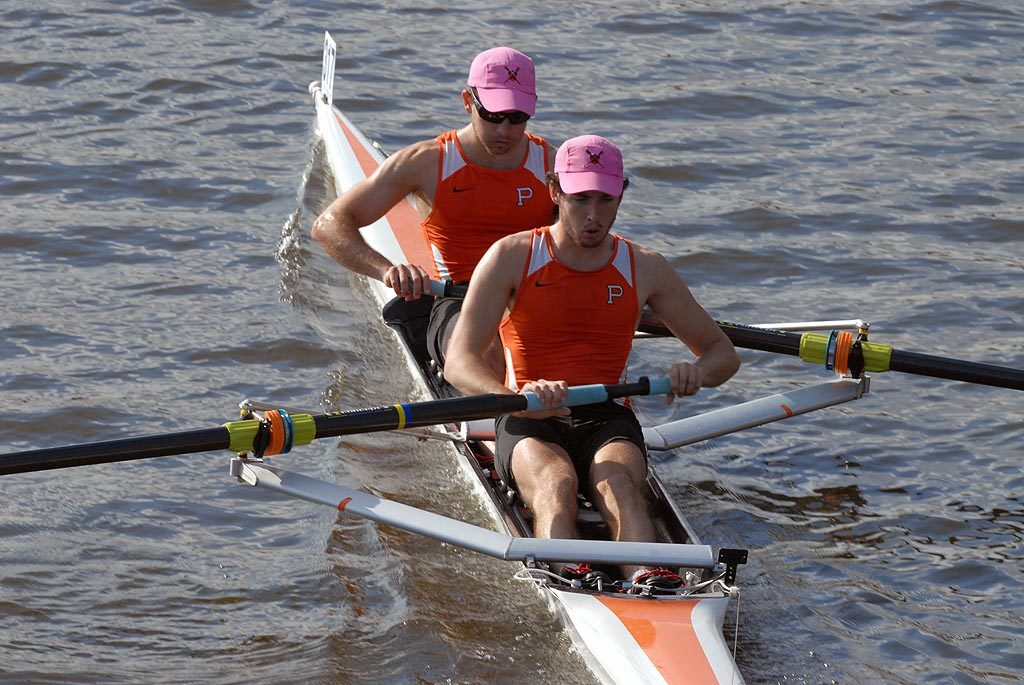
(593, 394)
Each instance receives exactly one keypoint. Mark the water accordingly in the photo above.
(159, 173)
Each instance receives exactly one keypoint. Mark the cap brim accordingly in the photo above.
(587, 181)
(507, 100)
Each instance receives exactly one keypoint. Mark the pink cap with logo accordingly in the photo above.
(588, 163)
(504, 80)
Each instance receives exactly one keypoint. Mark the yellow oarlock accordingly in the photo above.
(243, 432)
(814, 350)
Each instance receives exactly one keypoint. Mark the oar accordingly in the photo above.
(280, 430)
(816, 348)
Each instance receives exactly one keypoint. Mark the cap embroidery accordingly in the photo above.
(595, 157)
(512, 75)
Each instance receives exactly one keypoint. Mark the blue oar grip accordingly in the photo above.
(660, 385)
(592, 394)
(532, 402)
(437, 288)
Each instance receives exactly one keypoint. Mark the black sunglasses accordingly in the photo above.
(514, 117)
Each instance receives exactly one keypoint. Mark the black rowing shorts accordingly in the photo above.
(581, 434)
(443, 316)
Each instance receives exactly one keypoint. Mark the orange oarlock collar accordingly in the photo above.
(277, 433)
(844, 341)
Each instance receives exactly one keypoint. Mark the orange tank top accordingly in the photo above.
(571, 325)
(475, 206)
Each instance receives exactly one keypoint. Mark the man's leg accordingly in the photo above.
(547, 482)
(442, 326)
(617, 478)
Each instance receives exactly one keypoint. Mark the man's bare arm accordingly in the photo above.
(671, 299)
(490, 290)
(410, 170)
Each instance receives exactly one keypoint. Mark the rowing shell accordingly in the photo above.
(627, 638)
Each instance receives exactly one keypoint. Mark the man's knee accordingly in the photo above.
(551, 485)
(620, 457)
(618, 484)
(564, 486)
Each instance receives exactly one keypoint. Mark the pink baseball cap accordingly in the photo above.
(588, 163)
(504, 80)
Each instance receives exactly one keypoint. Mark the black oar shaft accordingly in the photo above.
(957, 370)
(785, 342)
(747, 337)
(447, 410)
(396, 416)
(416, 415)
(146, 447)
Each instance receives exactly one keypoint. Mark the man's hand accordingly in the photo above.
(409, 281)
(551, 394)
(687, 378)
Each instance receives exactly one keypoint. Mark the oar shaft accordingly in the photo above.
(238, 435)
(415, 414)
(765, 340)
(109, 451)
(747, 337)
(957, 370)
(880, 357)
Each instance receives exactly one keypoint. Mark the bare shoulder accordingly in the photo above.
(516, 241)
(651, 263)
(506, 256)
(414, 166)
(655, 276)
(511, 246)
(550, 151)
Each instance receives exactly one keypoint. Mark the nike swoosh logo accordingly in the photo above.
(460, 190)
(541, 285)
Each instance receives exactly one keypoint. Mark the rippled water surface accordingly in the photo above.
(159, 171)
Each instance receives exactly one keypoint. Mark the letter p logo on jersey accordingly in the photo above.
(613, 292)
(523, 194)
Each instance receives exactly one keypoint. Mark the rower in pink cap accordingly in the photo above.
(565, 301)
(481, 183)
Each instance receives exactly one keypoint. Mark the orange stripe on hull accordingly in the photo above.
(403, 217)
(344, 503)
(789, 412)
(664, 630)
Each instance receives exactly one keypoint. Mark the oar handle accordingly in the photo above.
(448, 288)
(593, 394)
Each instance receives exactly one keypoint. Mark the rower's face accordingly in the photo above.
(586, 217)
(496, 138)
